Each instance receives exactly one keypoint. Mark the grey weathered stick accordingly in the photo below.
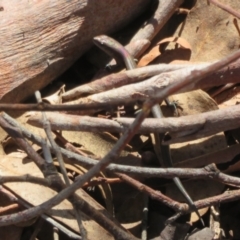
(150, 28)
(101, 217)
(227, 74)
(140, 91)
(56, 149)
(139, 171)
(180, 129)
(117, 51)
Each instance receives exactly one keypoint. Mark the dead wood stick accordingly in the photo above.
(150, 28)
(138, 171)
(12, 198)
(86, 161)
(225, 75)
(101, 217)
(56, 149)
(158, 87)
(142, 39)
(179, 129)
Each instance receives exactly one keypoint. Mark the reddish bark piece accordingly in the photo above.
(41, 39)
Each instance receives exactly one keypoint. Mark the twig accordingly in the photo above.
(13, 198)
(100, 180)
(9, 208)
(225, 75)
(99, 216)
(149, 30)
(30, 213)
(119, 79)
(138, 171)
(179, 129)
(26, 178)
(145, 218)
(47, 128)
(17, 136)
(142, 39)
(158, 88)
(226, 8)
(157, 195)
(56, 149)
(221, 89)
(37, 228)
(46, 152)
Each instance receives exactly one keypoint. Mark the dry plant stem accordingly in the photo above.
(119, 79)
(22, 143)
(99, 217)
(8, 194)
(142, 39)
(141, 91)
(112, 155)
(26, 178)
(150, 29)
(221, 89)
(50, 220)
(175, 205)
(47, 128)
(37, 229)
(226, 8)
(100, 180)
(47, 182)
(84, 206)
(144, 224)
(202, 204)
(157, 87)
(56, 149)
(12, 198)
(226, 74)
(179, 129)
(69, 146)
(138, 171)
(46, 152)
(157, 195)
(9, 208)
(228, 196)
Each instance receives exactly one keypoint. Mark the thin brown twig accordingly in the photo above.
(101, 217)
(26, 178)
(13, 198)
(150, 28)
(230, 73)
(137, 171)
(157, 195)
(9, 208)
(179, 129)
(101, 180)
(145, 90)
(183, 208)
(64, 191)
(226, 8)
(47, 128)
(17, 136)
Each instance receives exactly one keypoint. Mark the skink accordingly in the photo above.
(121, 55)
